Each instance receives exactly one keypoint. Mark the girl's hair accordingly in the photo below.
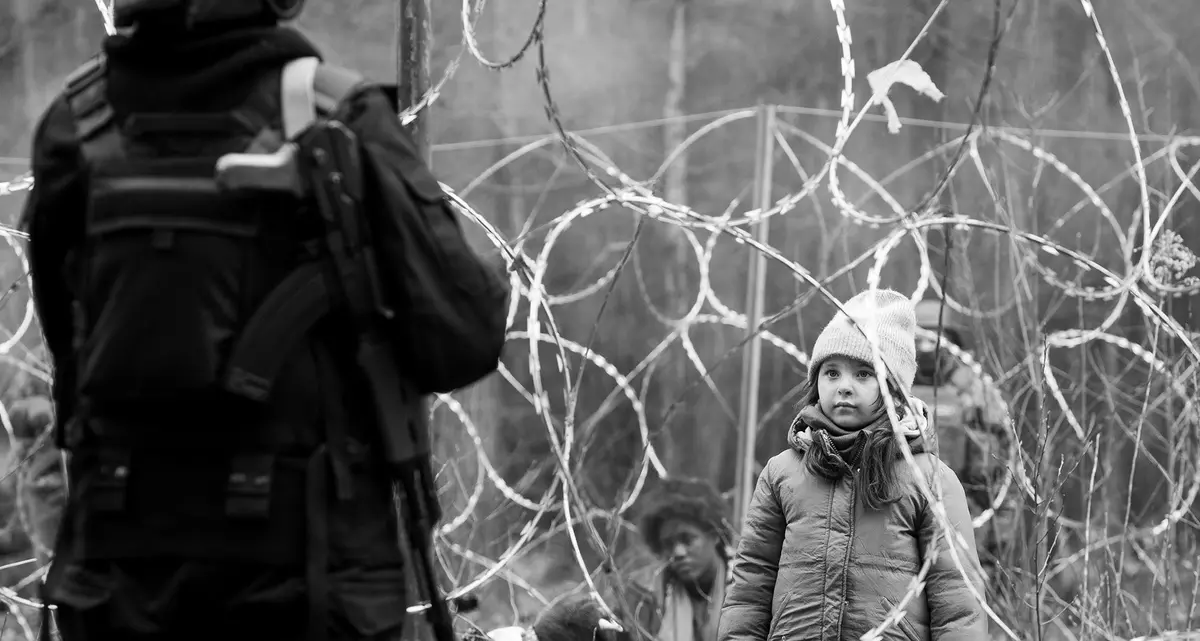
(576, 618)
(877, 459)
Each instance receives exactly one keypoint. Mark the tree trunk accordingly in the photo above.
(412, 66)
(932, 57)
(682, 453)
(675, 130)
(412, 69)
(25, 11)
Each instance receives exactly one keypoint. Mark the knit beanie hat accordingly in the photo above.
(886, 313)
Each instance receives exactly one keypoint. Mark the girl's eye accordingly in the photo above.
(831, 373)
(866, 374)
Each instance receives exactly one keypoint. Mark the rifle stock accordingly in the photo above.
(277, 172)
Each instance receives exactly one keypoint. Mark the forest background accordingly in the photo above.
(1052, 158)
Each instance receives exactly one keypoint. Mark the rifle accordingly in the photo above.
(324, 163)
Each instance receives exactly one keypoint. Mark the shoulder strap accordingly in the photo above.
(310, 89)
(85, 71)
(86, 94)
(333, 84)
(297, 102)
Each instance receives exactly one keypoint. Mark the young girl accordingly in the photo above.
(838, 527)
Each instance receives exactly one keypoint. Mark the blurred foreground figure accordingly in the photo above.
(38, 493)
(32, 492)
(576, 618)
(685, 524)
(249, 282)
(973, 436)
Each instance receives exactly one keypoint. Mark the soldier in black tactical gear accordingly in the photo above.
(249, 282)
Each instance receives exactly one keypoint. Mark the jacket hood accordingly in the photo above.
(199, 68)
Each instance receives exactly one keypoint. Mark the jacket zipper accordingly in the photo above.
(904, 624)
(849, 547)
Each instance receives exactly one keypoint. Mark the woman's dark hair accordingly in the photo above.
(576, 618)
(877, 456)
(690, 500)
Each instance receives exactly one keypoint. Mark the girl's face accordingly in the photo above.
(848, 392)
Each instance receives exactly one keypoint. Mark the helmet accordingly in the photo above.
(935, 366)
(930, 313)
(195, 12)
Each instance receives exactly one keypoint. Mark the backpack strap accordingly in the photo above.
(310, 90)
(297, 102)
(86, 94)
(332, 85)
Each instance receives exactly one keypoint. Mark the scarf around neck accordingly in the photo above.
(687, 618)
(811, 424)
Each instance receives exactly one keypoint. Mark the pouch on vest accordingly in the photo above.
(449, 329)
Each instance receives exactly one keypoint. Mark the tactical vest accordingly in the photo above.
(177, 281)
(173, 268)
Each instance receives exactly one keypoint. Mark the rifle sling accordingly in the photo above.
(288, 313)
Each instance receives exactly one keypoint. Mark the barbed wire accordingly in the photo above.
(944, 125)
(532, 319)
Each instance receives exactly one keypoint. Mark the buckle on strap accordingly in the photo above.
(248, 487)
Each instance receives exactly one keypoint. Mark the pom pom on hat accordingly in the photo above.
(888, 314)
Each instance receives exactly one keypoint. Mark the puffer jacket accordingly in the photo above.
(814, 564)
